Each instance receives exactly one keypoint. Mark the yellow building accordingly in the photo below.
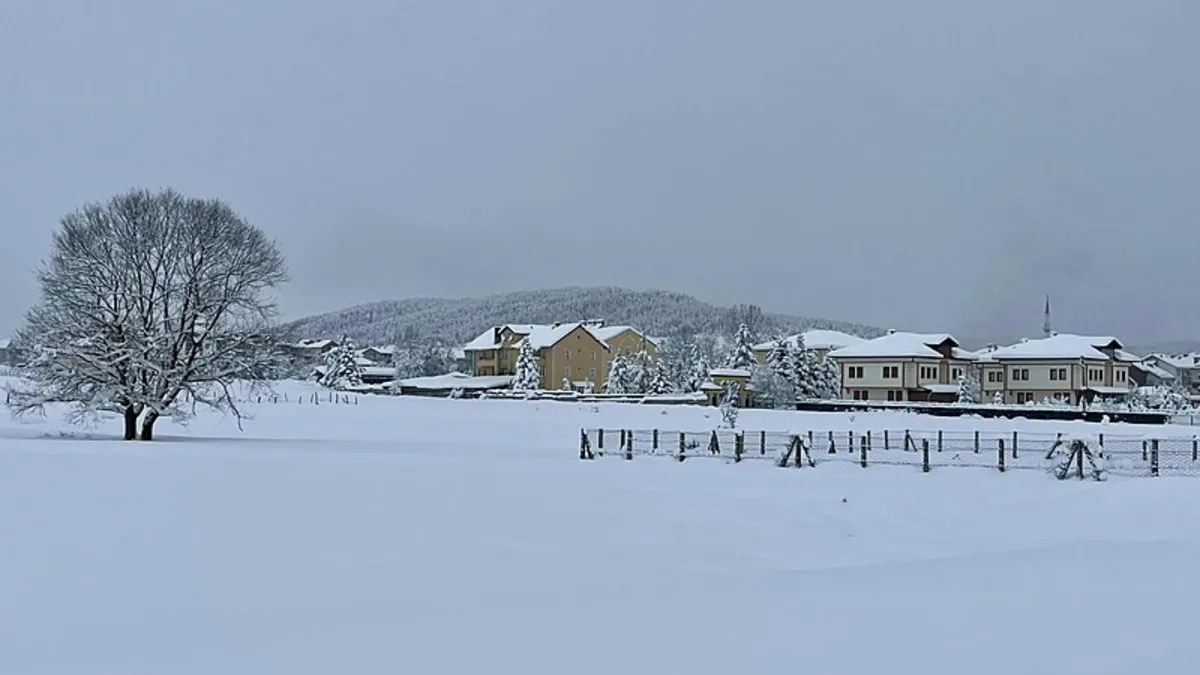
(578, 353)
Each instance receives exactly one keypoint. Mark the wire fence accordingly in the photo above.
(1116, 454)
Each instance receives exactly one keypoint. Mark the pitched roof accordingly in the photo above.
(904, 346)
(1153, 370)
(543, 336)
(5, 343)
(816, 339)
(1061, 346)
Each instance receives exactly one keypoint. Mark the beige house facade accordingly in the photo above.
(577, 355)
(1068, 368)
(903, 367)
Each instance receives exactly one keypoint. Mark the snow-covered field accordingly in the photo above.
(436, 536)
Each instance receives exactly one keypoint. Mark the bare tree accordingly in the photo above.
(146, 298)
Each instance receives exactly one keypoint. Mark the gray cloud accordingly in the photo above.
(925, 165)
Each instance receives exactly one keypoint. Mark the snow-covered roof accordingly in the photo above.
(1153, 370)
(543, 336)
(387, 349)
(315, 344)
(936, 388)
(1062, 346)
(1109, 391)
(5, 343)
(816, 339)
(711, 386)
(900, 345)
(378, 371)
(729, 372)
(1178, 360)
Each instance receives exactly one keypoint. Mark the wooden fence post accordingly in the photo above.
(977, 442)
(1154, 457)
(762, 443)
(655, 442)
(1079, 458)
(682, 446)
(1014, 447)
(869, 439)
(1145, 451)
(925, 455)
(939, 440)
(600, 438)
(1195, 449)
(585, 448)
(908, 441)
(863, 451)
(739, 446)
(887, 445)
(622, 444)
(627, 440)
(810, 438)
(1000, 453)
(714, 444)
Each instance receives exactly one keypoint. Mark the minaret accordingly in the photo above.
(1046, 323)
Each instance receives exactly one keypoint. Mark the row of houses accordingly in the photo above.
(927, 368)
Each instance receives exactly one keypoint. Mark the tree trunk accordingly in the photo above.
(148, 426)
(131, 418)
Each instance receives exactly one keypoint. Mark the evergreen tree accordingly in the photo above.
(741, 356)
(341, 366)
(658, 383)
(729, 404)
(808, 377)
(618, 376)
(781, 360)
(697, 371)
(528, 376)
(968, 388)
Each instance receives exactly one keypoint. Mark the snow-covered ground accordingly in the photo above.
(437, 536)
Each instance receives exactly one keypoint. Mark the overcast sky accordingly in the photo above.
(919, 165)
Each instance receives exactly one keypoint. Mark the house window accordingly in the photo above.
(861, 395)
(1058, 374)
(1095, 374)
(895, 395)
(956, 373)
(854, 372)
(1020, 375)
(591, 373)
(891, 372)
(567, 372)
(928, 372)
(593, 356)
(1120, 376)
(568, 354)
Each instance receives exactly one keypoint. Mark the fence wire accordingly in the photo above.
(1119, 454)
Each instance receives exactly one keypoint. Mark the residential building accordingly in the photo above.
(1145, 374)
(1070, 368)
(7, 354)
(579, 353)
(720, 378)
(903, 366)
(378, 355)
(820, 342)
(309, 352)
(1184, 367)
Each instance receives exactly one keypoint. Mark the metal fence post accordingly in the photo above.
(762, 443)
(682, 446)
(1000, 453)
(939, 440)
(655, 441)
(977, 442)
(863, 451)
(1014, 447)
(925, 455)
(887, 444)
(628, 440)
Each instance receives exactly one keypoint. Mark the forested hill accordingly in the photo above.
(659, 313)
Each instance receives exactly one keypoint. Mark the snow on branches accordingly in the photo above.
(147, 299)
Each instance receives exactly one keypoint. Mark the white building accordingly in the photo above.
(903, 367)
(1066, 367)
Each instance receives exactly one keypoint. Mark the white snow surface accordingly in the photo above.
(460, 536)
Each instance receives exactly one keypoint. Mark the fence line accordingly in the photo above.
(1117, 454)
